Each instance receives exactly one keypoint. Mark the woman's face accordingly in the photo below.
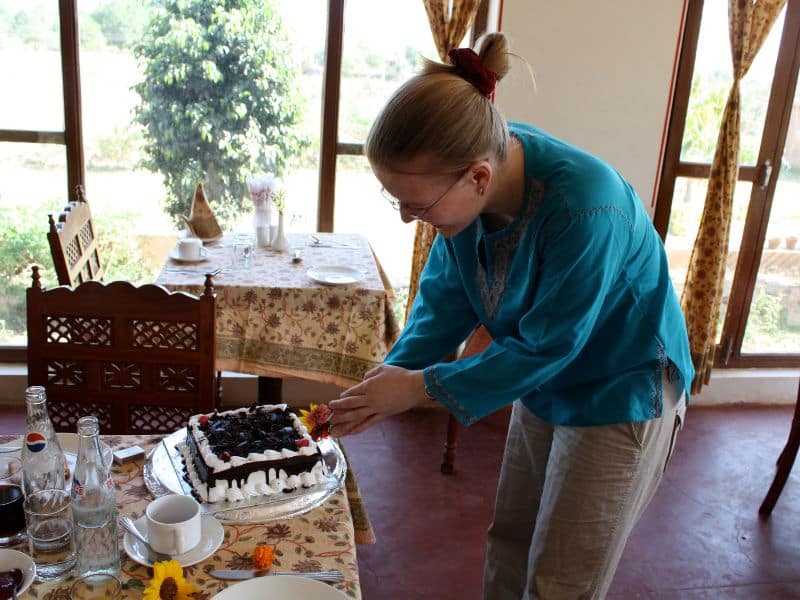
(449, 201)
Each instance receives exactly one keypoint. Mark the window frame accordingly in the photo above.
(762, 176)
(72, 135)
(330, 147)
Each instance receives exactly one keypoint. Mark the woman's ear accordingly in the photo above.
(480, 175)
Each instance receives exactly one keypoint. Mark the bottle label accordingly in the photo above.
(35, 441)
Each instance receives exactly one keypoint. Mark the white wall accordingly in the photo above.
(603, 72)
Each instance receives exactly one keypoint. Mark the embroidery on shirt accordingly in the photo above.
(656, 391)
(448, 400)
(503, 248)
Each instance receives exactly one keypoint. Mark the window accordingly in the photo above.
(760, 314)
(74, 122)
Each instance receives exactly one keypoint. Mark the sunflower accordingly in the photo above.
(168, 583)
(317, 420)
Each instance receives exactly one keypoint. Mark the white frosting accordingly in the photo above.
(258, 483)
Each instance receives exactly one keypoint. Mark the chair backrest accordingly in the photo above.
(141, 359)
(73, 243)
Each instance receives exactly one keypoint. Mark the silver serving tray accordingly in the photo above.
(163, 474)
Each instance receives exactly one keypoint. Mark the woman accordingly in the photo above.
(550, 249)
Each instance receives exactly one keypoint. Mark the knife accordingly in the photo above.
(250, 573)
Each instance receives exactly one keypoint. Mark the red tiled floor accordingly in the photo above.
(701, 537)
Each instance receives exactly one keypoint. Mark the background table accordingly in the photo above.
(273, 320)
(318, 540)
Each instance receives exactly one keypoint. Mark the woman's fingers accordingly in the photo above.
(343, 417)
(348, 403)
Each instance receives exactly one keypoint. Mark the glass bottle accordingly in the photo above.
(94, 508)
(42, 458)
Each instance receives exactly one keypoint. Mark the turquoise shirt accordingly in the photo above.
(575, 293)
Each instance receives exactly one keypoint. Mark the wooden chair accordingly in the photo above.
(785, 462)
(73, 243)
(141, 359)
(476, 342)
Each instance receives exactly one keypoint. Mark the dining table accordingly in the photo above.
(277, 314)
(318, 540)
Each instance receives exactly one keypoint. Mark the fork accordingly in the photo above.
(152, 555)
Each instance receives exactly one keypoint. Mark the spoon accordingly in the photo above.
(152, 555)
(315, 241)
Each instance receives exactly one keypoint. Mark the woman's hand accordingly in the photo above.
(386, 390)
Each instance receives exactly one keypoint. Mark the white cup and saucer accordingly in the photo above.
(175, 525)
(189, 249)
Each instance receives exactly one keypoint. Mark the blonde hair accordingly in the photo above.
(438, 113)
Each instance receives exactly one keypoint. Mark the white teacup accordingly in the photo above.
(191, 249)
(173, 524)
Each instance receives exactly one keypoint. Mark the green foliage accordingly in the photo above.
(707, 103)
(703, 119)
(765, 314)
(122, 21)
(23, 243)
(37, 26)
(219, 99)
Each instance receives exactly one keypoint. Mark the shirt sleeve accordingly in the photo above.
(441, 316)
(580, 263)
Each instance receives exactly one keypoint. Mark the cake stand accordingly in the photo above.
(164, 470)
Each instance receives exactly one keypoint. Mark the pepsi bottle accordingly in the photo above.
(42, 457)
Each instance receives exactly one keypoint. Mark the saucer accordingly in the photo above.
(13, 559)
(173, 254)
(210, 539)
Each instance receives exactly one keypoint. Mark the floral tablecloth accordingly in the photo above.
(274, 320)
(321, 539)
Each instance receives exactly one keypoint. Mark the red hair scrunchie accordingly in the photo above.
(469, 66)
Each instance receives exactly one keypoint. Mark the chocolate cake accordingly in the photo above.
(250, 452)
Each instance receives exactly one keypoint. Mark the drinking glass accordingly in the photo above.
(92, 587)
(12, 513)
(242, 251)
(50, 539)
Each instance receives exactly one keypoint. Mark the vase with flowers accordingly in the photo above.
(261, 188)
(280, 243)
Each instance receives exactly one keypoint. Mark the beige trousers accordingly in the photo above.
(568, 498)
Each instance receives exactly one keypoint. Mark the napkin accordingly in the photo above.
(201, 221)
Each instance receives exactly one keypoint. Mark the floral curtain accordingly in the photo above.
(749, 22)
(449, 21)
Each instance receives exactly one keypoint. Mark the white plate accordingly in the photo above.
(13, 559)
(210, 539)
(280, 586)
(173, 254)
(335, 275)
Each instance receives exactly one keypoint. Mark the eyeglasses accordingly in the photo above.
(420, 211)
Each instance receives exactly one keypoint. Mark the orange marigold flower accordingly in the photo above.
(263, 557)
(317, 420)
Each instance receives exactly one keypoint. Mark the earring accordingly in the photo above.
(480, 191)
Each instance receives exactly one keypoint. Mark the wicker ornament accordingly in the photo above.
(201, 222)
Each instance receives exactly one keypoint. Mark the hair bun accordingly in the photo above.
(492, 48)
